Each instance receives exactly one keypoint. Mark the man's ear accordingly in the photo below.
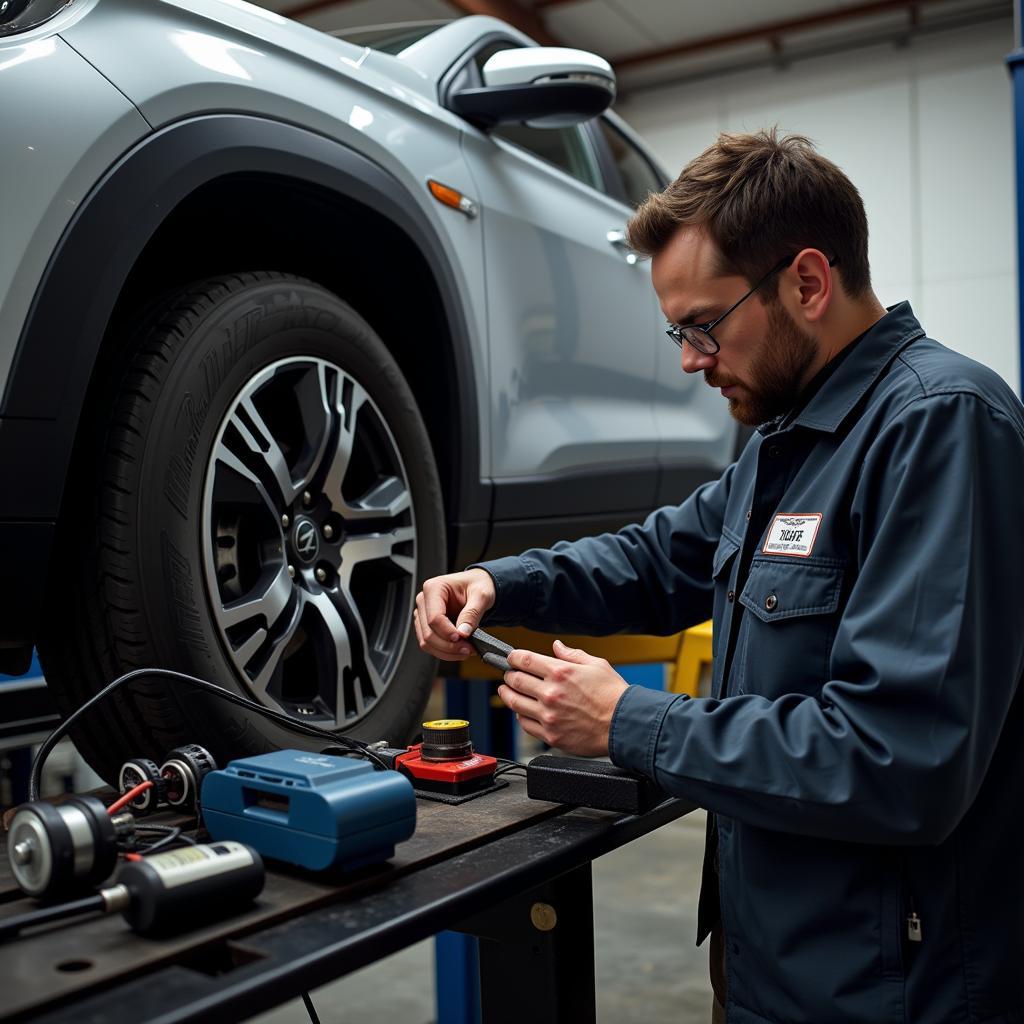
(808, 284)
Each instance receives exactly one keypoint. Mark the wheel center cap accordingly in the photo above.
(306, 540)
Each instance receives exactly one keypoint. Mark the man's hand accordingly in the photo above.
(463, 595)
(567, 701)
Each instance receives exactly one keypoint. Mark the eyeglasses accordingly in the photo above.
(699, 335)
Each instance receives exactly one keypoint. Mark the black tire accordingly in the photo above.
(132, 585)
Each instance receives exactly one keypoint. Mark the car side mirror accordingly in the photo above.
(545, 86)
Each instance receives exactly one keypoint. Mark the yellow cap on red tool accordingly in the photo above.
(446, 739)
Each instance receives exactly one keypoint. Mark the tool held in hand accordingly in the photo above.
(166, 892)
(492, 651)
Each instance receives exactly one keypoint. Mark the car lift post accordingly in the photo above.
(1016, 64)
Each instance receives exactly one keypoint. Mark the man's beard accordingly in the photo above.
(776, 373)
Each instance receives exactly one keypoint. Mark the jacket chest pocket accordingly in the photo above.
(792, 612)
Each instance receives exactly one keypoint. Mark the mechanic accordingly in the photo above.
(862, 755)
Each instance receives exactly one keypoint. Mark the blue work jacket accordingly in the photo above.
(863, 751)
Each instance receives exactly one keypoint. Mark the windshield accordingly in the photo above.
(391, 39)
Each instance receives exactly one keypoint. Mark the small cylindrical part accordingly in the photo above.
(21, 853)
(139, 770)
(186, 887)
(446, 739)
(57, 851)
(183, 773)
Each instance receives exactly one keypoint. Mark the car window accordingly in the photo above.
(391, 39)
(638, 177)
(569, 149)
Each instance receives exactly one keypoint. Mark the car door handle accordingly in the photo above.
(617, 240)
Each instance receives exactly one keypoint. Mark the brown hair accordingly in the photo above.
(761, 198)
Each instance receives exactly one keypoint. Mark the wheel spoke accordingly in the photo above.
(225, 457)
(368, 671)
(314, 400)
(268, 604)
(349, 401)
(385, 500)
(260, 441)
(261, 681)
(343, 660)
(371, 547)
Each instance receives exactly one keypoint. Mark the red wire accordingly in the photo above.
(127, 798)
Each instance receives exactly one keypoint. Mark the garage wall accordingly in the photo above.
(926, 133)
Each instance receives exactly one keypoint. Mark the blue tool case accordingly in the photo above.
(315, 810)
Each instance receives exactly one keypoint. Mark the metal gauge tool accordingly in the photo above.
(492, 651)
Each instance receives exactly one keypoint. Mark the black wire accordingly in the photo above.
(356, 746)
(310, 1008)
(510, 764)
(10, 926)
(172, 836)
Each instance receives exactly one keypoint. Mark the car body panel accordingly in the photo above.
(571, 377)
(50, 164)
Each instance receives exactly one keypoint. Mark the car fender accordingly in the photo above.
(71, 309)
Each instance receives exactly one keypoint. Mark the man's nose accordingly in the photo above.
(694, 361)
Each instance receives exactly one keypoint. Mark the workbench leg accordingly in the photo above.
(457, 978)
(537, 954)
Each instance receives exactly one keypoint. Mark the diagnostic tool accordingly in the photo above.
(492, 651)
(315, 810)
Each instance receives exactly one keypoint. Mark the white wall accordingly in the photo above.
(926, 133)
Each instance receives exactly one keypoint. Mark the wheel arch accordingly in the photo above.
(276, 195)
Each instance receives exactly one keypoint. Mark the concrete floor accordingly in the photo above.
(648, 969)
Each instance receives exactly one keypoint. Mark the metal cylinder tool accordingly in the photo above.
(166, 892)
(56, 851)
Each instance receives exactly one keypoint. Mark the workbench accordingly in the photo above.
(513, 871)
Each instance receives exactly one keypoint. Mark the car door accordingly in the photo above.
(569, 339)
(696, 436)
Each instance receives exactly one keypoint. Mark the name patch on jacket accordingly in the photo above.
(792, 534)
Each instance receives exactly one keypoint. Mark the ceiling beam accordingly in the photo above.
(508, 10)
(769, 31)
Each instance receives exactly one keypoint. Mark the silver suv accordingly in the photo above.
(289, 323)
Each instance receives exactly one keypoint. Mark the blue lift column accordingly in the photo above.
(1016, 64)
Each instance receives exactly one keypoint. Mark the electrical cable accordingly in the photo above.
(310, 1008)
(173, 836)
(354, 746)
(128, 796)
(12, 925)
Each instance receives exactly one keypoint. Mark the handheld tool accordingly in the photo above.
(492, 651)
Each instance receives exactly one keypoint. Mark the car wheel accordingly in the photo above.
(263, 503)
